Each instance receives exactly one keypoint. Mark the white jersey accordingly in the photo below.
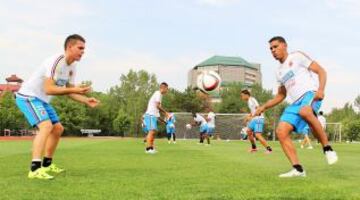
(200, 119)
(295, 75)
(54, 68)
(322, 121)
(152, 108)
(253, 105)
(211, 119)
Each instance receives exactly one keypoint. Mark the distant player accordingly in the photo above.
(255, 123)
(322, 120)
(151, 116)
(296, 79)
(144, 127)
(202, 123)
(211, 122)
(56, 76)
(306, 140)
(170, 128)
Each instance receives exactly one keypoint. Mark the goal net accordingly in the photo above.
(333, 131)
(228, 126)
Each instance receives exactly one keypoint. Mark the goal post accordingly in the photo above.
(227, 125)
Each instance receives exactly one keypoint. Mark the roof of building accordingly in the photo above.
(225, 61)
(14, 78)
(9, 87)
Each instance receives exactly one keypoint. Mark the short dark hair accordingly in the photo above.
(278, 38)
(72, 38)
(164, 84)
(246, 91)
(321, 113)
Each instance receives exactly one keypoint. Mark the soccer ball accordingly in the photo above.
(208, 81)
(188, 126)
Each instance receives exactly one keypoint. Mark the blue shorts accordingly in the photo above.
(170, 129)
(150, 122)
(211, 130)
(257, 125)
(36, 110)
(306, 130)
(291, 113)
(204, 128)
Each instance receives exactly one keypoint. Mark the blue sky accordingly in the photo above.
(169, 37)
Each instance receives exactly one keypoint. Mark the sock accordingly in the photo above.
(327, 148)
(35, 164)
(298, 168)
(47, 162)
(268, 148)
(174, 137)
(149, 148)
(253, 146)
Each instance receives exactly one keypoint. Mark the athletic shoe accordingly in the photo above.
(39, 174)
(169, 142)
(268, 152)
(174, 142)
(207, 144)
(151, 151)
(310, 147)
(293, 173)
(53, 168)
(302, 146)
(331, 157)
(252, 150)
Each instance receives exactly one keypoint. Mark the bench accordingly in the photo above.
(90, 132)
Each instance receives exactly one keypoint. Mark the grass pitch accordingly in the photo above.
(119, 169)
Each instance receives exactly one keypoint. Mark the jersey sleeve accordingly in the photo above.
(303, 59)
(50, 65)
(158, 97)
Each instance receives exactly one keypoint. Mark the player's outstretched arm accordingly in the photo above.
(52, 89)
(89, 101)
(279, 97)
(317, 69)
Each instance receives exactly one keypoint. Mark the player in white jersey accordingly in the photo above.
(56, 76)
(211, 116)
(295, 76)
(152, 115)
(255, 123)
(203, 127)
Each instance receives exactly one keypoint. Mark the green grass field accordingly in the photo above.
(119, 169)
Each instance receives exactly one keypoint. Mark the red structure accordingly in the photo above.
(13, 84)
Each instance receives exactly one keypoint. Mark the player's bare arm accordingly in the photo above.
(320, 71)
(279, 97)
(89, 101)
(52, 89)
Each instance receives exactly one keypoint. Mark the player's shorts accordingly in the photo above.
(256, 125)
(306, 130)
(211, 130)
(36, 110)
(170, 128)
(291, 113)
(204, 128)
(150, 122)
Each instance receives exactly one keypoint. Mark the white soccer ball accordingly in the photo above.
(208, 81)
(188, 126)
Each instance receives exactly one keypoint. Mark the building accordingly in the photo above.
(230, 69)
(13, 84)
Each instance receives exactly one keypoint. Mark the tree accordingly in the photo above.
(357, 103)
(10, 115)
(121, 123)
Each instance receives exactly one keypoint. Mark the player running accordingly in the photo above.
(255, 123)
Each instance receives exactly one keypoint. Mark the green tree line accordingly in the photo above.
(123, 105)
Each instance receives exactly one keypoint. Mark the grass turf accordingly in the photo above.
(119, 169)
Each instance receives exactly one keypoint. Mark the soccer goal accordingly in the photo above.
(333, 130)
(228, 126)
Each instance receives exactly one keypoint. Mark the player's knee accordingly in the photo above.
(281, 133)
(45, 125)
(58, 129)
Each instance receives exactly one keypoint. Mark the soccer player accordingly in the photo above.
(151, 116)
(201, 121)
(295, 76)
(306, 140)
(211, 122)
(255, 123)
(56, 76)
(170, 127)
(322, 120)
